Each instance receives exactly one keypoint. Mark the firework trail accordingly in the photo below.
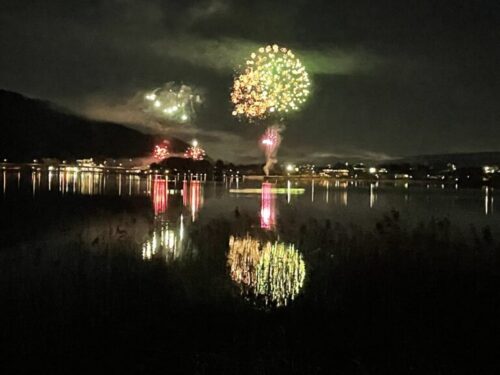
(270, 143)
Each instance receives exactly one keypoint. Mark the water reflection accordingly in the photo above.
(373, 194)
(36, 181)
(280, 273)
(89, 184)
(273, 273)
(242, 259)
(488, 201)
(160, 196)
(49, 182)
(381, 195)
(192, 197)
(267, 207)
(165, 242)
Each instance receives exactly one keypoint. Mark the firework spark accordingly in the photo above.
(173, 102)
(161, 151)
(194, 152)
(273, 80)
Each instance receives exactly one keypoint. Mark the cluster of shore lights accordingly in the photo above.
(272, 272)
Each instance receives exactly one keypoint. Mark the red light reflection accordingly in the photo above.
(192, 197)
(267, 207)
(160, 195)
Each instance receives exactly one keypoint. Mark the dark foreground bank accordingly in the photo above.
(395, 299)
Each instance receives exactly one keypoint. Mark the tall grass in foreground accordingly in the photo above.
(395, 299)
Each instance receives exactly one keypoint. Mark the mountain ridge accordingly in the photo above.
(34, 128)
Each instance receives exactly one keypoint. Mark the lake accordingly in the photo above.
(112, 257)
(341, 201)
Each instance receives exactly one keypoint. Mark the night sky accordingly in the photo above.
(390, 78)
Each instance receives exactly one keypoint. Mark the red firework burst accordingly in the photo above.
(161, 151)
(195, 152)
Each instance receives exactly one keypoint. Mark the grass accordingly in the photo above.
(421, 299)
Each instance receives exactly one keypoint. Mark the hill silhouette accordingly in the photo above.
(32, 128)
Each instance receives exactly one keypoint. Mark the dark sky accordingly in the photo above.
(390, 78)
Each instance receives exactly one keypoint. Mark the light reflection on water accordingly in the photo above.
(166, 241)
(440, 199)
(267, 207)
(167, 238)
(192, 197)
(383, 196)
(271, 272)
(160, 195)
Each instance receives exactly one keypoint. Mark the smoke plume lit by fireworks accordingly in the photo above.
(270, 143)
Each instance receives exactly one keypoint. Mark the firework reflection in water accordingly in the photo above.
(160, 195)
(242, 260)
(280, 274)
(267, 207)
(192, 197)
(273, 273)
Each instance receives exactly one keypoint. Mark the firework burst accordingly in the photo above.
(176, 103)
(273, 80)
(195, 152)
(161, 151)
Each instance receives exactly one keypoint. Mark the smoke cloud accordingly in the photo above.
(271, 142)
